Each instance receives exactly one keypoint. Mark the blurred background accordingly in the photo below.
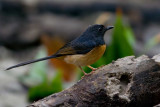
(31, 29)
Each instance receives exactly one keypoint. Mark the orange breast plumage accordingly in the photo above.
(86, 59)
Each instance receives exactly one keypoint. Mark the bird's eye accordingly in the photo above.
(100, 29)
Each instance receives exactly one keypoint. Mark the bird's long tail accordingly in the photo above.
(32, 61)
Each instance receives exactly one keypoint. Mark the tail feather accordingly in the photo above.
(32, 61)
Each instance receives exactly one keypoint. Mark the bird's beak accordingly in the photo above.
(109, 27)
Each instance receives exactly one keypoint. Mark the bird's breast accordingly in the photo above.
(86, 59)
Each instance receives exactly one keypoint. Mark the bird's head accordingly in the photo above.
(98, 30)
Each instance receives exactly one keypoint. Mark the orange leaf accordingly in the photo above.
(52, 44)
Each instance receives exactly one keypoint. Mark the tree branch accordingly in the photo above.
(126, 82)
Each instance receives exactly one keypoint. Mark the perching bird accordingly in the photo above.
(82, 51)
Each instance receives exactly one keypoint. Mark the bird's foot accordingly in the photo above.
(85, 74)
(93, 69)
(101, 66)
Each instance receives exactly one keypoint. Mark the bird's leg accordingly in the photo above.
(93, 69)
(82, 70)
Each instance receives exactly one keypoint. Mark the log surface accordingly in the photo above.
(127, 82)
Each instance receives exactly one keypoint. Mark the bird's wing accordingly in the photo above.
(76, 48)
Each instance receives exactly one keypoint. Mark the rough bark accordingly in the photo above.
(127, 82)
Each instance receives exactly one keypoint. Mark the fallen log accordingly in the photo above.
(157, 105)
(127, 82)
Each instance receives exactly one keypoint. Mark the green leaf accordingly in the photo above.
(121, 44)
(37, 73)
(39, 91)
(46, 88)
(57, 82)
(129, 35)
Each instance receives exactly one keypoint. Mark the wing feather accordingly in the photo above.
(76, 48)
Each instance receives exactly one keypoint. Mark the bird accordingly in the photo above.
(82, 51)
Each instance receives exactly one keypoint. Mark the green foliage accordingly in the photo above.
(56, 83)
(129, 35)
(121, 45)
(37, 73)
(122, 42)
(38, 81)
(46, 88)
